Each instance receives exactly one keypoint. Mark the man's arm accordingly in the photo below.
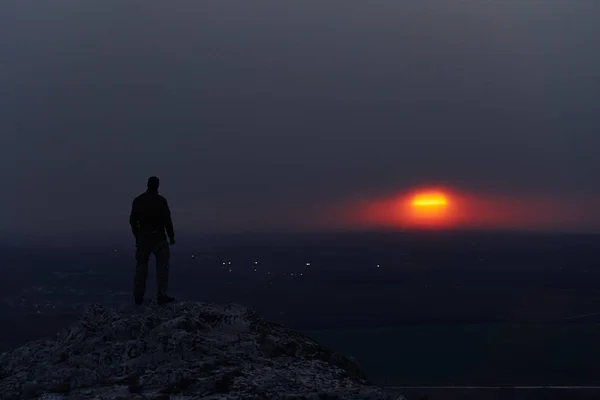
(134, 218)
(169, 223)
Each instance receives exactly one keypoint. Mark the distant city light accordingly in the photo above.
(301, 274)
(255, 262)
(254, 269)
(378, 265)
(308, 264)
(229, 263)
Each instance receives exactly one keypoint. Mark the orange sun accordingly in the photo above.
(429, 208)
(429, 200)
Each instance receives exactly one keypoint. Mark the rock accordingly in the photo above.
(31, 390)
(186, 349)
(62, 388)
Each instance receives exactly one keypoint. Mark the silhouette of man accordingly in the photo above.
(150, 217)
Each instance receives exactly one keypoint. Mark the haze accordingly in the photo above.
(268, 115)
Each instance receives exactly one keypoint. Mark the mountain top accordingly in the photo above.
(185, 350)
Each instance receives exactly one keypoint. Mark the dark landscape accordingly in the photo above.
(415, 309)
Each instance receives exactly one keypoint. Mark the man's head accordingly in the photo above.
(153, 183)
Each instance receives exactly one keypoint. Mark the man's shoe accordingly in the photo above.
(164, 299)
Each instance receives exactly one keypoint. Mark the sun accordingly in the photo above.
(429, 207)
(429, 200)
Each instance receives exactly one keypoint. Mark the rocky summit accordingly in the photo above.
(181, 351)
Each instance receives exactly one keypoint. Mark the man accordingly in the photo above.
(150, 217)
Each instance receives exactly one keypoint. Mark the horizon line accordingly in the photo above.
(334, 231)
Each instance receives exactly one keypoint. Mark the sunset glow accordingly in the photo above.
(449, 208)
(425, 207)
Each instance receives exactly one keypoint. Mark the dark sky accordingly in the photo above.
(257, 113)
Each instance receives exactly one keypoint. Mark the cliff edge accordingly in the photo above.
(185, 350)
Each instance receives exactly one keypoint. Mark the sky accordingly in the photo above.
(292, 115)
